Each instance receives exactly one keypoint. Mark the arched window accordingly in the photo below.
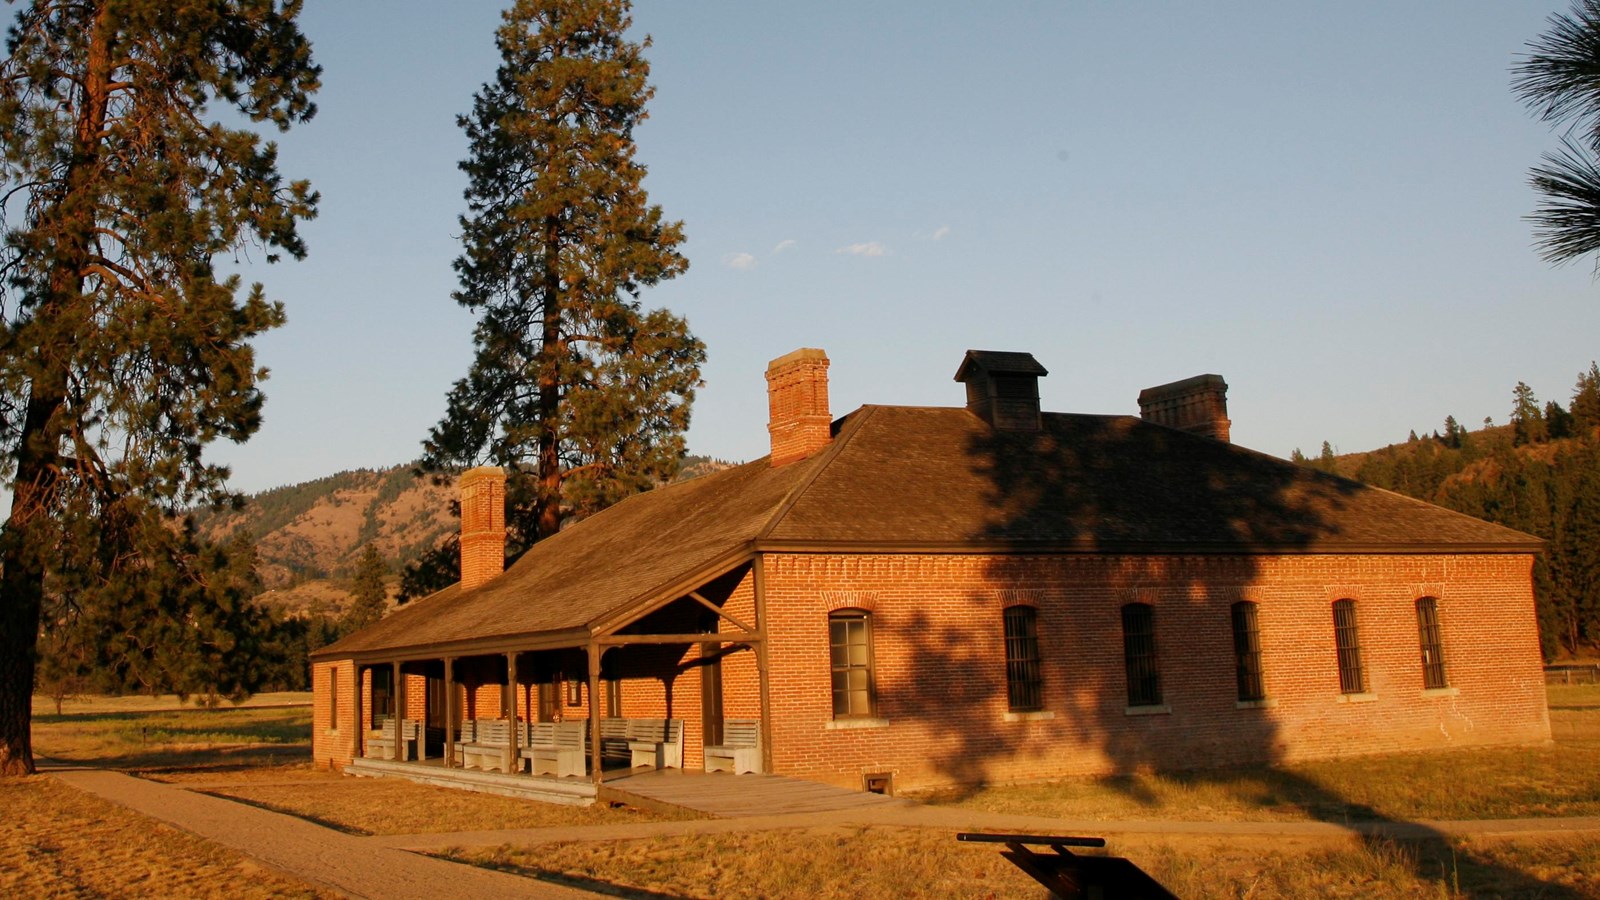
(1139, 652)
(1247, 652)
(1352, 678)
(1023, 683)
(1432, 644)
(850, 640)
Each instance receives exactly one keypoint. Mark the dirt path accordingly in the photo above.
(387, 866)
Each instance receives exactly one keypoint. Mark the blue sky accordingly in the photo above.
(1321, 202)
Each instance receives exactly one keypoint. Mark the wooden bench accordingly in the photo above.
(488, 744)
(614, 740)
(382, 743)
(740, 750)
(656, 742)
(563, 754)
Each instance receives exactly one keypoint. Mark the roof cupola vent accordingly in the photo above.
(1003, 388)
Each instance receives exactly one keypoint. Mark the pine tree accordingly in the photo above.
(1453, 433)
(1325, 459)
(1586, 401)
(1556, 81)
(1527, 421)
(123, 352)
(581, 394)
(368, 593)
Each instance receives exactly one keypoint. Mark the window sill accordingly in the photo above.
(1263, 703)
(1161, 710)
(847, 724)
(1441, 692)
(1035, 715)
(1367, 697)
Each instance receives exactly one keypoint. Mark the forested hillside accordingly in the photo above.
(1539, 474)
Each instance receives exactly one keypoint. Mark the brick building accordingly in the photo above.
(911, 596)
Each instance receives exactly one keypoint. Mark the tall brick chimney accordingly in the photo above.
(1002, 388)
(483, 525)
(797, 402)
(1198, 405)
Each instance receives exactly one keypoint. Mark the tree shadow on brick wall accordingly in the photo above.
(1101, 512)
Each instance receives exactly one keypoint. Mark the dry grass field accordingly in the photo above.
(58, 842)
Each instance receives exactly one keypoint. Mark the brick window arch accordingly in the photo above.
(1347, 638)
(1139, 653)
(850, 654)
(1247, 652)
(1024, 691)
(1432, 642)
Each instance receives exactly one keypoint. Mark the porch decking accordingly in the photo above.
(720, 794)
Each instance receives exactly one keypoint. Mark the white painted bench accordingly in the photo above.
(381, 743)
(614, 740)
(656, 742)
(740, 750)
(563, 754)
(488, 744)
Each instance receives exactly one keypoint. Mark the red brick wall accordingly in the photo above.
(335, 729)
(940, 674)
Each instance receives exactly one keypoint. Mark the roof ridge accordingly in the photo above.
(853, 424)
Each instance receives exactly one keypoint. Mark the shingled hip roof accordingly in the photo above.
(921, 480)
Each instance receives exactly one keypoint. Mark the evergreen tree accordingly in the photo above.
(1298, 457)
(1586, 401)
(1527, 421)
(1325, 459)
(1557, 81)
(368, 594)
(581, 394)
(1453, 433)
(1557, 421)
(123, 352)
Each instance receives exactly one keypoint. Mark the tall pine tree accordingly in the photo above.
(368, 593)
(581, 394)
(122, 351)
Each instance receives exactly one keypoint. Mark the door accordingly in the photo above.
(711, 693)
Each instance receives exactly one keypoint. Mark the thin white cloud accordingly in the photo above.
(788, 244)
(869, 248)
(739, 261)
(942, 232)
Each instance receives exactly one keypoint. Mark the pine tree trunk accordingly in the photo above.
(22, 583)
(549, 510)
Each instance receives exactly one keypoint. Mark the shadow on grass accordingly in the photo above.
(579, 882)
(208, 759)
(304, 817)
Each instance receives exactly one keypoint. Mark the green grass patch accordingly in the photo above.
(156, 733)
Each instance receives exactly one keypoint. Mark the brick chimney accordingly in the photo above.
(1003, 388)
(1198, 405)
(483, 525)
(797, 403)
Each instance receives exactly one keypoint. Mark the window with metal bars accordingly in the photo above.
(1023, 683)
(1139, 651)
(1352, 679)
(1247, 652)
(850, 640)
(1432, 644)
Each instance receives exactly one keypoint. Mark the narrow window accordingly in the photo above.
(333, 697)
(1432, 645)
(1352, 680)
(1247, 652)
(850, 639)
(614, 698)
(1139, 650)
(1022, 659)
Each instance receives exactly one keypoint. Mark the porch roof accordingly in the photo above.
(918, 479)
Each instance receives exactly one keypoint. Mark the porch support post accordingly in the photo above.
(397, 700)
(514, 747)
(363, 715)
(759, 573)
(594, 710)
(449, 711)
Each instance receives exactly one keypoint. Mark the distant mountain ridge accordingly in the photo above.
(309, 536)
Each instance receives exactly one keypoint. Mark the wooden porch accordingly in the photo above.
(719, 794)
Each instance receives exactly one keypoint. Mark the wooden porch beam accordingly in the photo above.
(594, 712)
(736, 637)
(758, 574)
(449, 715)
(695, 596)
